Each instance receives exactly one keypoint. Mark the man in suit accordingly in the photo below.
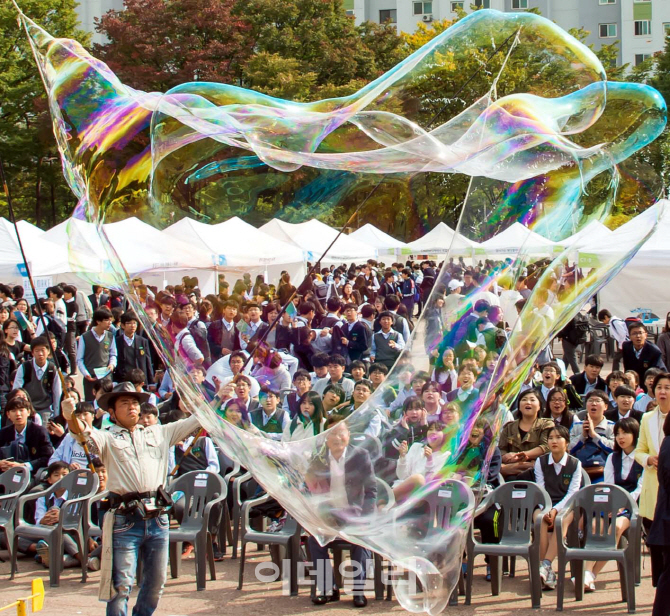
(590, 379)
(353, 339)
(639, 354)
(346, 475)
(132, 351)
(23, 443)
(625, 399)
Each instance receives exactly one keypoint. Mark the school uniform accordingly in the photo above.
(560, 479)
(132, 353)
(31, 447)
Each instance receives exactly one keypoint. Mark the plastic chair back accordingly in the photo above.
(79, 484)
(519, 500)
(13, 483)
(199, 488)
(453, 504)
(600, 504)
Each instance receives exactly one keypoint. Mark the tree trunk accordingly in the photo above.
(38, 195)
(53, 201)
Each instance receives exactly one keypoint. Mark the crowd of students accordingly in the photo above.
(333, 341)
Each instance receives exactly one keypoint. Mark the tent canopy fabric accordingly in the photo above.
(44, 257)
(314, 237)
(517, 238)
(440, 240)
(235, 243)
(591, 234)
(383, 242)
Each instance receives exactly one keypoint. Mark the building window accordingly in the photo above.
(607, 30)
(666, 28)
(483, 4)
(641, 57)
(423, 8)
(643, 27)
(390, 15)
(604, 2)
(519, 4)
(455, 6)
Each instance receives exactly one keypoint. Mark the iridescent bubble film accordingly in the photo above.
(543, 164)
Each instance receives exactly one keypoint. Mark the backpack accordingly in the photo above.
(580, 332)
(321, 291)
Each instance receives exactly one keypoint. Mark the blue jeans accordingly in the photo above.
(134, 536)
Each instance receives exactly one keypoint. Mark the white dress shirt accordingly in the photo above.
(338, 491)
(627, 460)
(558, 468)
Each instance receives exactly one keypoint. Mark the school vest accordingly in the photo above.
(627, 483)
(96, 354)
(384, 352)
(273, 426)
(194, 461)
(40, 390)
(557, 485)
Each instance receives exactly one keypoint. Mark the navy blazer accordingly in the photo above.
(359, 477)
(579, 383)
(650, 357)
(659, 533)
(37, 442)
(142, 358)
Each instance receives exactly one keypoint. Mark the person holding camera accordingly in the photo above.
(136, 458)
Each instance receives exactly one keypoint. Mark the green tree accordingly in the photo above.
(27, 144)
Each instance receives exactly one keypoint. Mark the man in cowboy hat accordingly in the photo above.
(136, 458)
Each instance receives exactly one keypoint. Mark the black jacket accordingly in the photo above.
(37, 443)
(650, 357)
(214, 337)
(659, 533)
(359, 478)
(360, 341)
(579, 383)
(613, 415)
(142, 358)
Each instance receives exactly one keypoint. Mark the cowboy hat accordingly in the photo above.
(122, 389)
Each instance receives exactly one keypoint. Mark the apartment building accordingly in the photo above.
(638, 26)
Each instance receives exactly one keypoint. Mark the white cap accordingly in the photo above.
(455, 284)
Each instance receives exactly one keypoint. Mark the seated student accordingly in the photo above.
(471, 462)
(137, 378)
(320, 366)
(333, 398)
(416, 383)
(336, 364)
(97, 514)
(302, 384)
(358, 370)
(100, 388)
(524, 440)
(269, 418)
(362, 392)
(551, 377)
(387, 343)
(613, 380)
(633, 381)
(625, 399)
(378, 373)
(557, 408)
(202, 456)
(23, 443)
(465, 394)
(224, 370)
(345, 474)
(236, 413)
(353, 338)
(308, 421)
(431, 399)
(622, 470)
(47, 513)
(445, 372)
(590, 379)
(69, 450)
(592, 439)
(148, 414)
(417, 464)
(240, 390)
(38, 377)
(646, 401)
(560, 475)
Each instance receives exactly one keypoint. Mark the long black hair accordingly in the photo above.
(317, 417)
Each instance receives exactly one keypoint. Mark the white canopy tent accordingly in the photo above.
(517, 239)
(313, 237)
(440, 240)
(384, 243)
(591, 234)
(642, 283)
(44, 257)
(238, 247)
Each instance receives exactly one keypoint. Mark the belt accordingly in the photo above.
(116, 500)
(143, 503)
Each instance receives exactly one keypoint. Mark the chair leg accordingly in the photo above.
(236, 528)
(175, 558)
(243, 552)
(210, 557)
(337, 564)
(578, 569)
(55, 559)
(470, 575)
(200, 545)
(622, 580)
(534, 575)
(629, 570)
(12, 554)
(560, 581)
(496, 574)
(379, 582)
(292, 552)
(512, 566)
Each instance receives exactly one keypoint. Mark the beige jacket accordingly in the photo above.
(649, 444)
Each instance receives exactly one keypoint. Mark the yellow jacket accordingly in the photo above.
(649, 444)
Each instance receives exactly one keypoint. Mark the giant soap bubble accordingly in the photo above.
(547, 159)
